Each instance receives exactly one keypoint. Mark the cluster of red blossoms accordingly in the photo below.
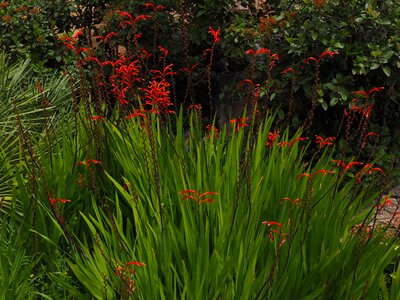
(275, 230)
(126, 274)
(197, 197)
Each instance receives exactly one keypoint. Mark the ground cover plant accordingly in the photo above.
(128, 186)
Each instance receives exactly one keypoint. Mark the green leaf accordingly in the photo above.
(331, 86)
(314, 35)
(324, 105)
(387, 70)
(374, 66)
(333, 101)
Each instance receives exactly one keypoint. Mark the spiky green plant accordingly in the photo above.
(214, 217)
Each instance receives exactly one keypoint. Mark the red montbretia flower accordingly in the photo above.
(164, 52)
(162, 74)
(53, 201)
(157, 96)
(212, 129)
(291, 143)
(273, 232)
(344, 166)
(189, 70)
(239, 123)
(95, 118)
(89, 162)
(318, 60)
(154, 7)
(108, 37)
(288, 70)
(272, 136)
(135, 263)
(308, 59)
(324, 142)
(126, 73)
(142, 17)
(375, 89)
(197, 197)
(323, 172)
(360, 93)
(329, 53)
(131, 21)
(371, 134)
(136, 113)
(367, 94)
(274, 56)
(272, 223)
(296, 201)
(367, 169)
(307, 175)
(40, 88)
(386, 202)
(215, 34)
(78, 33)
(365, 112)
(260, 51)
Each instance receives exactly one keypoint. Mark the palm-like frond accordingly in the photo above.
(23, 107)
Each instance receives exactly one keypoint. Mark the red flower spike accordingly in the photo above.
(247, 81)
(239, 123)
(376, 89)
(188, 192)
(190, 71)
(250, 52)
(274, 56)
(40, 89)
(283, 241)
(136, 113)
(211, 129)
(53, 201)
(339, 163)
(110, 36)
(125, 14)
(215, 34)
(264, 51)
(330, 53)
(149, 5)
(93, 161)
(287, 70)
(300, 176)
(95, 118)
(272, 223)
(142, 17)
(360, 93)
(164, 51)
(135, 263)
(351, 164)
(282, 144)
(296, 201)
(371, 134)
(324, 172)
(375, 170)
(386, 202)
(77, 34)
(308, 59)
(271, 138)
(197, 197)
(91, 58)
(160, 7)
(324, 142)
